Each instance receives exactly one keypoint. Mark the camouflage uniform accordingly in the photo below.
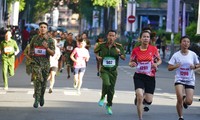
(28, 61)
(40, 65)
(109, 71)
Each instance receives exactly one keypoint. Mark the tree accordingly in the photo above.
(22, 3)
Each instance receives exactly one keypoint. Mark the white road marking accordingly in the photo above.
(2, 92)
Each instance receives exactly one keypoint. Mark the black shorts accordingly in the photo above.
(145, 82)
(60, 59)
(186, 86)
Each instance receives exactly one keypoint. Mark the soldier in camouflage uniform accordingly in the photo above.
(41, 47)
(109, 57)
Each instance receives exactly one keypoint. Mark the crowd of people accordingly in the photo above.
(48, 52)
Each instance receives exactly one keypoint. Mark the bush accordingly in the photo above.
(191, 31)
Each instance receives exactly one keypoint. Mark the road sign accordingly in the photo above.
(131, 19)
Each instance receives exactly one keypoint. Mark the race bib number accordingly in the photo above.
(109, 62)
(144, 67)
(70, 48)
(40, 51)
(184, 72)
(8, 49)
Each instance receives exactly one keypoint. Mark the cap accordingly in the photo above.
(58, 37)
(43, 23)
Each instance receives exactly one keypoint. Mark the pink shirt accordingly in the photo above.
(80, 54)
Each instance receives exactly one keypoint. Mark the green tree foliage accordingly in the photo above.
(191, 32)
(106, 3)
(40, 7)
(21, 2)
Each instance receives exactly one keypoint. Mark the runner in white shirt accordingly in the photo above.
(184, 61)
(53, 66)
(60, 45)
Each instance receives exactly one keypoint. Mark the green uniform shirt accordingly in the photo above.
(110, 57)
(36, 46)
(8, 49)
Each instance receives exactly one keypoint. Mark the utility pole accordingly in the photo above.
(172, 21)
(183, 22)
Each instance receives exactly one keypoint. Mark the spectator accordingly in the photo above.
(25, 38)
(158, 43)
(163, 45)
(85, 37)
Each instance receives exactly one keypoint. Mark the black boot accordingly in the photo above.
(41, 101)
(35, 105)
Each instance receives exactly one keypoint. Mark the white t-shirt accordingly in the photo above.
(54, 59)
(60, 45)
(184, 74)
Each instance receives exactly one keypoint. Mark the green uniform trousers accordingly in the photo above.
(7, 69)
(39, 76)
(108, 85)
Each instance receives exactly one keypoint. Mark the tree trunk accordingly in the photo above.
(123, 15)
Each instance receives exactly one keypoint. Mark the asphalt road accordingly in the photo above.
(65, 104)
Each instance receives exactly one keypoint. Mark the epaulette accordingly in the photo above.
(118, 44)
(103, 43)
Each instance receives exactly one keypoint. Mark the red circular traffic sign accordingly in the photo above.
(131, 19)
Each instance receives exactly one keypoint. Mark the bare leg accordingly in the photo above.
(80, 80)
(140, 97)
(52, 81)
(179, 104)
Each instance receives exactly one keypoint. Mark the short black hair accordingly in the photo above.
(183, 37)
(80, 40)
(112, 31)
(70, 33)
(145, 31)
(43, 23)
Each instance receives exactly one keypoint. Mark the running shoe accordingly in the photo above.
(79, 92)
(97, 73)
(32, 83)
(68, 76)
(146, 108)
(6, 88)
(50, 90)
(184, 105)
(180, 119)
(101, 102)
(75, 84)
(109, 110)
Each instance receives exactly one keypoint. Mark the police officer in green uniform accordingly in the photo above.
(8, 49)
(41, 47)
(109, 57)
